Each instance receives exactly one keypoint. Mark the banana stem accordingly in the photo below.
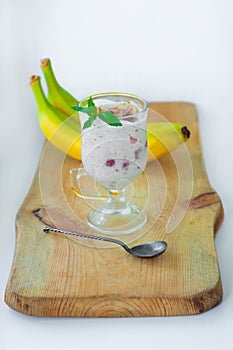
(49, 75)
(38, 92)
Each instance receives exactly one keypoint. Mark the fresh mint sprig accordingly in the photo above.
(107, 116)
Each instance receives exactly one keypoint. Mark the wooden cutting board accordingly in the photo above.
(56, 275)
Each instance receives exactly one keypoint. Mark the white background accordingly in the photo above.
(163, 50)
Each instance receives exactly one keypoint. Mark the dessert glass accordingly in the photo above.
(114, 156)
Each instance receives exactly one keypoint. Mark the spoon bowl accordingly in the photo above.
(145, 250)
(149, 249)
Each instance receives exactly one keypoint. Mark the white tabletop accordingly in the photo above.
(163, 50)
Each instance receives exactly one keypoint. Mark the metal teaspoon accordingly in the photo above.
(145, 250)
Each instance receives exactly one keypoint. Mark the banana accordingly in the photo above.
(65, 132)
(57, 96)
(62, 131)
(163, 138)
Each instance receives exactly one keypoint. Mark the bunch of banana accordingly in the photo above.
(62, 127)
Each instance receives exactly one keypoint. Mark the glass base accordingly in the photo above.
(124, 221)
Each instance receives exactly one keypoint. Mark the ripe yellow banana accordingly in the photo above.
(164, 137)
(62, 131)
(57, 95)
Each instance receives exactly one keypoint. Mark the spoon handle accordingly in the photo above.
(86, 235)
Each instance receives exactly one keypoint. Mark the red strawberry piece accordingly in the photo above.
(133, 139)
(125, 164)
(110, 162)
(136, 153)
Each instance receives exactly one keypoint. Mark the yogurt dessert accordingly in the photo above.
(115, 155)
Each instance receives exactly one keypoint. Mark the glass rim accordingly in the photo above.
(125, 94)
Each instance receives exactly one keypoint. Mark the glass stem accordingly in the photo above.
(116, 201)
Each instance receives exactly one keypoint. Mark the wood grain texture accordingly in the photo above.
(53, 275)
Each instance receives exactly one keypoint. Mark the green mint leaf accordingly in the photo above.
(88, 122)
(91, 111)
(110, 118)
(80, 109)
(107, 116)
(90, 102)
